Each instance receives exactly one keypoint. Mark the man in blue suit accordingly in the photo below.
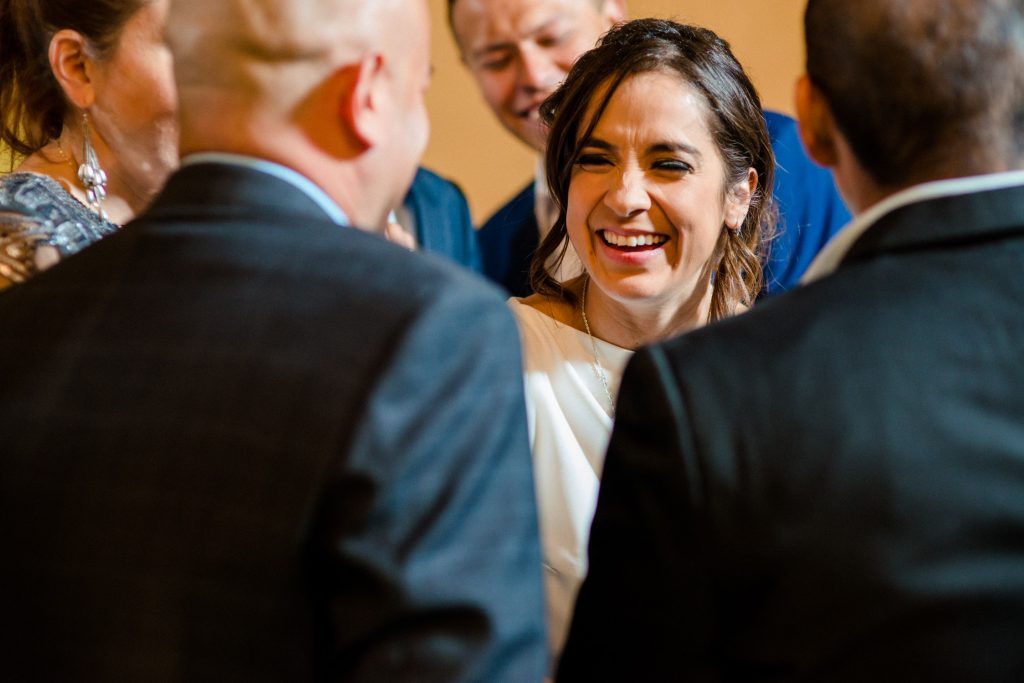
(244, 440)
(435, 218)
(520, 50)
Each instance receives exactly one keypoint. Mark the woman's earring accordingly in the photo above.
(92, 176)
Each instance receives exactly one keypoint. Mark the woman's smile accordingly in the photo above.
(632, 242)
(631, 248)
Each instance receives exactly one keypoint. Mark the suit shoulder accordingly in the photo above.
(515, 212)
(427, 181)
(424, 276)
(790, 157)
(780, 336)
(781, 128)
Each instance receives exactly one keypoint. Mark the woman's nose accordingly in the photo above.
(628, 195)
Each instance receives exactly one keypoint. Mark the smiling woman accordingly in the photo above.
(657, 158)
(648, 198)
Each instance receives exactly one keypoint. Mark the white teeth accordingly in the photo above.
(632, 240)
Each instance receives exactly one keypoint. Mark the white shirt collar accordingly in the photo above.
(544, 208)
(288, 175)
(546, 212)
(829, 258)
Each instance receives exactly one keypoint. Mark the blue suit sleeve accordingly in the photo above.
(443, 222)
(810, 208)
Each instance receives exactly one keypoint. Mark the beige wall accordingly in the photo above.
(470, 147)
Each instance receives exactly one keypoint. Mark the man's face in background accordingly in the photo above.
(519, 51)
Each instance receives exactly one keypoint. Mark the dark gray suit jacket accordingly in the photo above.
(831, 486)
(242, 443)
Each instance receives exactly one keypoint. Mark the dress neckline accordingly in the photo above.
(583, 337)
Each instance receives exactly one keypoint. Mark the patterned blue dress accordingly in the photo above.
(35, 213)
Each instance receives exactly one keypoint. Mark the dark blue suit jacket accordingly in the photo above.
(241, 442)
(443, 222)
(810, 212)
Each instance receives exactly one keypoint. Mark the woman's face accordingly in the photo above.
(648, 198)
(135, 104)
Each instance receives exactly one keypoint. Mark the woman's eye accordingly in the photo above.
(592, 161)
(673, 165)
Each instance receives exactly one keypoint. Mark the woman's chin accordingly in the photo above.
(650, 289)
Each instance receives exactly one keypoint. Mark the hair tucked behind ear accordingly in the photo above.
(32, 105)
(734, 118)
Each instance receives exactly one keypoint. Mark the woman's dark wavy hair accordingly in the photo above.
(32, 104)
(734, 118)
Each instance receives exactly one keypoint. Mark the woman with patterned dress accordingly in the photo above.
(87, 102)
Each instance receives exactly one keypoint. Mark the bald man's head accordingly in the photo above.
(331, 88)
(922, 88)
(272, 50)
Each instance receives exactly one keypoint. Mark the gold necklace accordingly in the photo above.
(599, 370)
(64, 155)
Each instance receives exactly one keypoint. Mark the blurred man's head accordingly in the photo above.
(917, 89)
(331, 88)
(520, 50)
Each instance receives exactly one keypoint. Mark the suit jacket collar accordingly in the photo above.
(912, 205)
(236, 190)
(951, 220)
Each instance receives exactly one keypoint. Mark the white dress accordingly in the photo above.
(568, 414)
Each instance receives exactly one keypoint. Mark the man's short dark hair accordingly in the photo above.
(921, 88)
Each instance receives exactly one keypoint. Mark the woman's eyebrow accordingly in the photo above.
(599, 143)
(669, 147)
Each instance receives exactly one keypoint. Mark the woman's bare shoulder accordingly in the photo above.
(550, 306)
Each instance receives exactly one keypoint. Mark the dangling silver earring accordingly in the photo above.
(92, 176)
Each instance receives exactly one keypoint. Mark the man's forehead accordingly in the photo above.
(452, 4)
(481, 23)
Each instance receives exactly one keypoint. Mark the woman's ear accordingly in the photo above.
(737, 203)
(817, 127)
(73, 67)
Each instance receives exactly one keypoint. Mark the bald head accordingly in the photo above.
(271, 50)
(330, 88)
(922, 89)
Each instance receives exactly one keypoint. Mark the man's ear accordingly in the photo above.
(362, 96)
(73, 67)
(614, 12)
(817, 126)
(737, 202)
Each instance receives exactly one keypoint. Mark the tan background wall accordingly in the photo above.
(470, 147)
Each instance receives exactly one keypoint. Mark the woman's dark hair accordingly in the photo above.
(734, 118)
(32, 105)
